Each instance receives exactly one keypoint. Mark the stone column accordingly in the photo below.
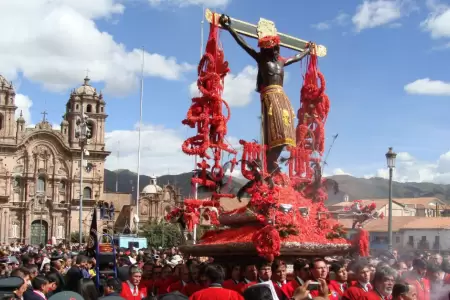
(2, 233)
(28, 221)
(7, 225)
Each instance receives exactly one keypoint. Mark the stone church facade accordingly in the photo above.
(40, 169)
(156, 201)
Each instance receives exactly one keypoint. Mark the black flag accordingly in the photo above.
(92, 245)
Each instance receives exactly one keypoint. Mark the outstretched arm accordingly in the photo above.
(225, 22)
(297, 57)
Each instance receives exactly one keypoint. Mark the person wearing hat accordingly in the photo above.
(13, 287)
(131, 289)
(57, 270)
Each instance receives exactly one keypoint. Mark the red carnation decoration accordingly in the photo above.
(361, 242)
(267, 242)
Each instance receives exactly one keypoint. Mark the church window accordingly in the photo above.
(1, 121)
(77, 107)
(101, 108)
(14, 230)
(62, 186)
(90, 126)
(87, 193)
(17, 182)
(41, 184)
(89, 108)
(60, 232)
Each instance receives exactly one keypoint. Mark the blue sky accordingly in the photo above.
(386, 71)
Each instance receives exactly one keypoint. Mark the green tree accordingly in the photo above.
(162, 234)
(75, 237)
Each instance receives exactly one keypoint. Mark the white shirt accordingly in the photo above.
(134, 289)
(365, 286)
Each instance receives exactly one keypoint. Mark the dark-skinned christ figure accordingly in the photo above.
(277, 112)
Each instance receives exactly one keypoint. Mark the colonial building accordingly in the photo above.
(156, 201)
(40, 169)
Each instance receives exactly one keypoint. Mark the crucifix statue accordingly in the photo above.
(278, 116)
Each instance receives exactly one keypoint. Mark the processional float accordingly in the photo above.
(285, 215)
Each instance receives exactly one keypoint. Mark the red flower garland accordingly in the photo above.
(206, 113)
(307, 221)
(267, 242)
(269, 41)
(310, 132)
(361, 242)
(212, 216)
(252, 151)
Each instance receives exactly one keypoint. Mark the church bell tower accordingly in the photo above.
(7, 111)
(85, 100)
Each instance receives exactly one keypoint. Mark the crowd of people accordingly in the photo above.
(40, 273)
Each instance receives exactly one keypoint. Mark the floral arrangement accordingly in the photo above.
(363, 212)
(284, 208)
(338, 231)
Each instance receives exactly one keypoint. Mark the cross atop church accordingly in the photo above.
(44, 114)
(86, 79)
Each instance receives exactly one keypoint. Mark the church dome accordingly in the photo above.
(86, 88)
(152, 188)
(21, 118)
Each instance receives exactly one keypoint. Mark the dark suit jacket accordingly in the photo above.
(30, 295)
(61, 282)
(73, 277)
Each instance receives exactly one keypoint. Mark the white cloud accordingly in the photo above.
(395, 25)
(53, 42)
(56, 126)
(337, 171)
(426, 86)
(181, 3)
(341, 19)
(160, 150)
(321, 26)
(23, 104)
(410, 169)
(438, 23)
(371, 14)
(238, 88)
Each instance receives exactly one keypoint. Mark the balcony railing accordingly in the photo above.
(86, 202)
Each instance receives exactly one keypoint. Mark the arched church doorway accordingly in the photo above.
(39, 232)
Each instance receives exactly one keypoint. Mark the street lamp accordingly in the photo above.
(390, 159)
(82, 132)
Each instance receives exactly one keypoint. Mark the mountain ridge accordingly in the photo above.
(355, 188)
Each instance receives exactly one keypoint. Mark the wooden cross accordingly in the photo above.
(44, 113)
(251, 30)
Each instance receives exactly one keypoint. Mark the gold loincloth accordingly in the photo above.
(279, 117)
